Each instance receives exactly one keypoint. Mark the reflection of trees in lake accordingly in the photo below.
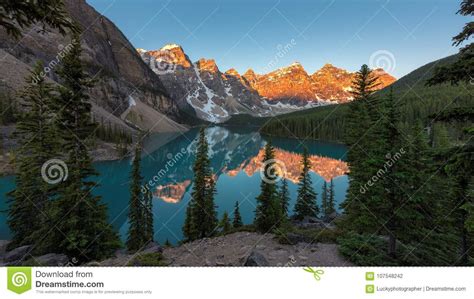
(231, 153)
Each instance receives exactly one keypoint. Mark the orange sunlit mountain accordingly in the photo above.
(216, 96)
(172, 193)
(327, 168)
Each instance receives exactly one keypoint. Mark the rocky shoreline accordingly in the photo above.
(104, 152)
(303, 246)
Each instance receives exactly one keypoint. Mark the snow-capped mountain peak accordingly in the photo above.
(216, 96)
(170, 47)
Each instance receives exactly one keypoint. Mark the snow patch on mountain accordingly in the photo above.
(131, 101)
(170, 47)
(208, 109)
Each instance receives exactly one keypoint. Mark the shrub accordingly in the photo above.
(148, 259)
(365, 250)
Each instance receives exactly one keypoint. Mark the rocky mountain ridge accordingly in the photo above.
(215, 96)
(121, 77)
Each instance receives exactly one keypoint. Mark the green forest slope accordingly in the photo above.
(417, 102)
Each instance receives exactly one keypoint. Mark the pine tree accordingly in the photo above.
(284, 195)
(136, 237)
(420, 221)
(201, 216)
(148, 216)
(440, 137)
(324, 199)
(225, 223)
(363, 157)
(19, 14)
(189, 230)
(459, 163)
(79, 217)
(459, 168)
(35, 135)
(306, 205)
(237, 222)
(210, 208)
(463, 68)
(331, 199)
(268, 214)
(392, 145)
(468, 207)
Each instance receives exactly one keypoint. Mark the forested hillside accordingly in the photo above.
(416, 101)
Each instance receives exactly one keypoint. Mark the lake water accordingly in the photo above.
(236, 156)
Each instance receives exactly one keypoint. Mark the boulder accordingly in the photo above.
(309, 222)
(294, 239)
(52, 259)
(3, 246)
(17, 254)
(308, 219)
(330, 218)
(256, 259)
(152, 248)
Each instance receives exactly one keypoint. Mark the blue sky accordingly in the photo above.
(266, 34)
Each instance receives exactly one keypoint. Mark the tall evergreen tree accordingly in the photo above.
(210, 208)
(225, 223)
(284, 198)
(363, 156)
(420, 221)
(189, 230)
(306, 204)
(392, 145)
(440, 137)
(148, 216)
(201, 216)
(324, 199)
(237, 222)
(16, 15)
(460, 169)
(35, 135)
(469, 208)
(460, 158)
(268, 214)
(331, 199)
(80, 219)
(136, 216)
(463, 68)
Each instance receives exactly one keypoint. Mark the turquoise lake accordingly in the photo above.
(236, 156)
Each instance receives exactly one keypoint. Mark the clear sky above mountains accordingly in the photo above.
(399, 35)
